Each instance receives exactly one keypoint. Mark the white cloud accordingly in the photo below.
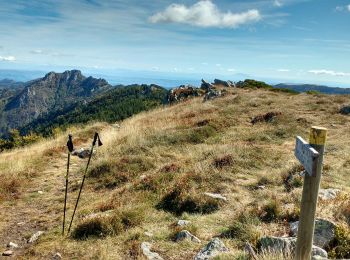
(283, 70)
(205, 14)
(37, 51)
(277, 3)
(330, 73)
(231, 70)
(342, 8)
(218, 65)
(7, 58)
(348, 8)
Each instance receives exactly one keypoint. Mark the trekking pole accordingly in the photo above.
(96, 138)
(70, 149)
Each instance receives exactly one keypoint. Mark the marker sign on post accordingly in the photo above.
(307, 156)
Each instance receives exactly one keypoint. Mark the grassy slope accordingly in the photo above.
(178, 146)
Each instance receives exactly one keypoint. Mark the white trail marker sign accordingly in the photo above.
(307, 155)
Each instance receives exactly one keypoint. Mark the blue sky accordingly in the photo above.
(277, 40)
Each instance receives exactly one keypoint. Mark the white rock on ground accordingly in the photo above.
(146, 250)
(328, 194)
(12, 245)
(7, 253)
(182, 223)
(324, 232)
(57, 256)
(286, 245)
(35, 237)
(211, 250)
(215, 196)
(186, 235)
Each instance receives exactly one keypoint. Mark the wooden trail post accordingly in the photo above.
(311, 187)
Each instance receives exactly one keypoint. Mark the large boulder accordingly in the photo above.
(182, 92)
(211, 250)
(286, 246)
(345, 110)
(212, 93)
(324, 232)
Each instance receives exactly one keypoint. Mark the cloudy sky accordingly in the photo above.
(295, 40)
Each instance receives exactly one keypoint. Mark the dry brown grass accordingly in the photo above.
(205, 147)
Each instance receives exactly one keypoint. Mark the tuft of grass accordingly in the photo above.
(271, 211)
(180, 200)
(107, 225)
(221, 162)
(244, 229)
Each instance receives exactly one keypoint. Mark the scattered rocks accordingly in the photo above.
(268, 117)
(181, 93)
(57, 256)
(215, 196)
(212, 249)
(7, 253)
(186, 235)
(12, 245)
(82, 153)
(324, 232)
(146, 250)
(212, 93)
(35, 236)
(345, 110)
(182, 223)
(328, 194)
(286, 246)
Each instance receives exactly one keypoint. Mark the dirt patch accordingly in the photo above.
(267, 118)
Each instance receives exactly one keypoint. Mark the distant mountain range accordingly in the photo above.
(318, 88)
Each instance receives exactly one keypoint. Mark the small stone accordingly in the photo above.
(215, 196)
(212, 249)
(40, 192)
(35, 237)
(149, 234)
(146, 250)
(21, 223)
(12, 245)
(57, 256)
(328, 194)
(261, 187)
(186, 235)
(7, 253)
(182, 223)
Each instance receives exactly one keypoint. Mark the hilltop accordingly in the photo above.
(51, 93)
(156, 168)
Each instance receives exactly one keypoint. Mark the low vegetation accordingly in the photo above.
(156, 168)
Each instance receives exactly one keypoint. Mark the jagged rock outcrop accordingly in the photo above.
(228, 83)
(345, 110)
(206, 85)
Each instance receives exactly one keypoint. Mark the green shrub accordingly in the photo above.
(340, 246)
